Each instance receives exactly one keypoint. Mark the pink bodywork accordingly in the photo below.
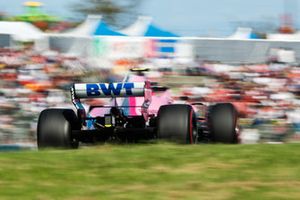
(157, 99)
(138, 105)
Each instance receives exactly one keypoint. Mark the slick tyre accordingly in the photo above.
(177, 123)
(55, 127)
(222, 123)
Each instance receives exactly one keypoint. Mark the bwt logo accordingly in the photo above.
(93, 89)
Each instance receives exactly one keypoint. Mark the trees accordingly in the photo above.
(115, 13)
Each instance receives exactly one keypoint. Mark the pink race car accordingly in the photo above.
(138, 110)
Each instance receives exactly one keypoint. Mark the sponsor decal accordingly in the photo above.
(111, 89)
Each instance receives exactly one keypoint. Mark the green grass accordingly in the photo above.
(153, 171)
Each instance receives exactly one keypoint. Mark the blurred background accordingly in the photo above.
(247, 53)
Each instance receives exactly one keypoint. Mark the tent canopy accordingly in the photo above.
(93, 25)
(139, 27)
(21, 31)
(154, 31)
(145, 27)
(103, 29)
(86, 28)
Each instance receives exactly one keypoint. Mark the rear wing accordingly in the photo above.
(106, 90)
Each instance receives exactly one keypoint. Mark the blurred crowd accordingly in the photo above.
(31, 82)
(265, 95)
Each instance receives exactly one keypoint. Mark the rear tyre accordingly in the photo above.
(55, 128)
(222, 123)
(177, 123)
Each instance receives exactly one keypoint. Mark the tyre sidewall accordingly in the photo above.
(55, 128)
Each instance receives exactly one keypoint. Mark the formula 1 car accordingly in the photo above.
(182, 123)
